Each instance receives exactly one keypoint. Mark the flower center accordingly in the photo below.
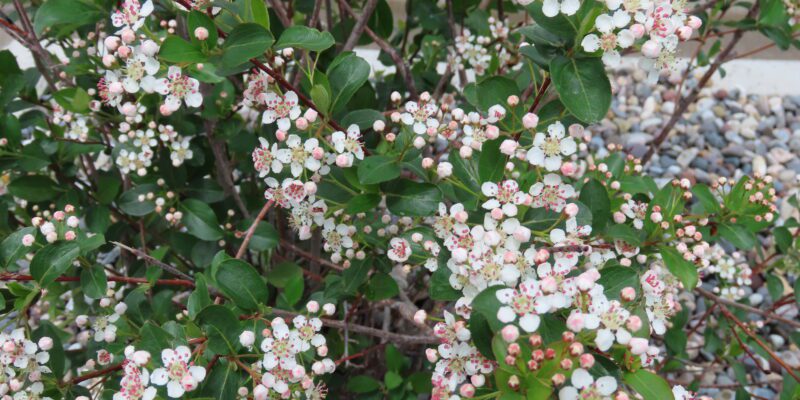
(551, 146)
(180, 86)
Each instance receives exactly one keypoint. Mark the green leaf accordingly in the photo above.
(492, 163)
(364, 118)
(176, 50)
(240, 282)
(615, 278)
(440, 288)
(11, 248)
(94, 282)
(224, 379)
(377, 169)
(685, 271)
(61, 17)
(129, 201)
(738, 235)
(583, 86)
(706, 198)
(783, 238)
(347, 73)
(363, 384)
(200, 220)
(381, 286)
(52, 261)
(221, 327)
(649, 385)
(154, 338)
(57, 357)
(35, 188)
(625, 233)
(355, 276)
(408, 198)
(595, 196)
(774, 287)
(199, 299)
(258, 12)
(363, 203)
(321, 97)
(392, 380)
(303, 37)
(246, 41)
(283, 273)
(74, 99)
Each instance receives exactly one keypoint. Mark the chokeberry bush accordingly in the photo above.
(224, 199)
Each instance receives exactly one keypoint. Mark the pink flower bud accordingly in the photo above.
(637, 30)
(628, 293)
(512, 100)
(301, 123)
(571, 209)
(129, 109)
(322, 351)
(467, 390)
(311, 188)
(318, 153)
(390, 137)
(522, 234)
(247, 338)
(695, 22)
(638, 346)
(28, 240)
(651, 49)
(530, 120)
(684, 33)
(619, 217)
(378, 125)
(111, 43)
(427, 162)
(9, 346)
(444, 169)
(311, 115)
(497, 213)
(510, 333)
(431, 355)
(342, 160)
(70, 235)
(420, 316)
(298, 371)
(587, 361)
(634, 323)
(509, 147)
(419, 142)
(280, 135)
(150, 48)
(164, 110)
(575, 322)
(492, 132)
(461, 216)
(465, 152)
(128, 35)
(201, 33)
(478, 380)
(109, 60)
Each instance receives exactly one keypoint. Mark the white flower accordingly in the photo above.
(281, 348)
(349, 144)
(612, 316)
(505, 196)
(180, 152)
(288, 194)
(608, 41)
(110, 88)
(179, 88)
(523, 303)
(572, 237)
(336, 237)
(266, 159)
(138, 72)
(132, 14)
(308, 331)
(551, 194)
(104, 328)
(548, 150)
(399, 250)
(283, 109)
(635, 210)
(420, 116)
(301, 154)
(585, 387)
(551, 8)
(178, 373)
(135, 384)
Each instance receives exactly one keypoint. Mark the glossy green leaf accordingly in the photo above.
(246, 41)
(377, 169)
(409, 198)
(240, 282)
(52, 261)
(583, 86)
(303, 37)
(685, 271)
(200, 220)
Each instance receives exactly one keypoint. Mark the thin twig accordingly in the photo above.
(721, 301)
(396, 338)
(252, 229)
(361, 23)
(6, 277)
(154, 261)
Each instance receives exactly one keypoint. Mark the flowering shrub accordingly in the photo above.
(222, 200)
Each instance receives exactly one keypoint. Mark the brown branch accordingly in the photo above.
(395, 338)
(308, 256)
(154, 261)
(280, 11)
(6, 277)
(683, 104)
(766, 348)
(730, 303)
(400, 64)
(252, 229)
(361, 23)
(95, 374)
(224, 168)
(41, 57)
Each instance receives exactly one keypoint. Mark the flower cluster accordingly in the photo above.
(22, 362)
(58, 225)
